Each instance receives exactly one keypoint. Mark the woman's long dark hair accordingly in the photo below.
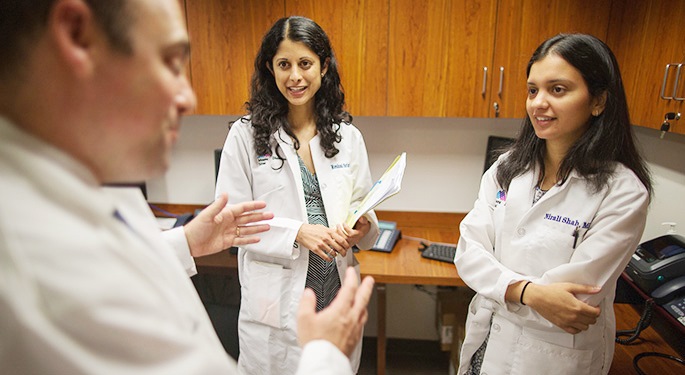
(609, 138)
(269, 108)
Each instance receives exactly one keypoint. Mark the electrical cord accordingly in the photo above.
(653, 354)
(642, 324)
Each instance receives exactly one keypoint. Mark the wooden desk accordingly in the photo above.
(404, 265)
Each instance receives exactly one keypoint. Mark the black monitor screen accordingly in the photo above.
(496, 147)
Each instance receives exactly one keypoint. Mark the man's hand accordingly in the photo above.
(342, 321)
(220, 226)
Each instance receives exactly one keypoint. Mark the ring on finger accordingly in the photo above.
(237, 231)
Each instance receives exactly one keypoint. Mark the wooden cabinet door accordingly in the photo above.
(522, 25)
(225, 37)
(437, 52)
(358, 33)
(646, 36)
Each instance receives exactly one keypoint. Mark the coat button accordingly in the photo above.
(521, 231)
(323, 186)
(496, 327)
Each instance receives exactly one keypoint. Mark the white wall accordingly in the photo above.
(445, 160)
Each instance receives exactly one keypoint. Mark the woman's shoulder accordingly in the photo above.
(348, 128)
(241, 125)
(625, 175)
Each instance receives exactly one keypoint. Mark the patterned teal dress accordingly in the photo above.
(322, 276)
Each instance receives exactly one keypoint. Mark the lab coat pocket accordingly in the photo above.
(268, 293)
(555, 240)
(537, 356)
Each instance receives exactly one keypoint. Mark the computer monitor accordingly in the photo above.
(217, 161)
(496, 147)
(139, 185)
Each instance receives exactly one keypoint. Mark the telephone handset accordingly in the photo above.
(658, 270)
(671, 296)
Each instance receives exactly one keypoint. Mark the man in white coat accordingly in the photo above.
(91, 92)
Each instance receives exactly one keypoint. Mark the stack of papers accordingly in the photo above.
(388, 185)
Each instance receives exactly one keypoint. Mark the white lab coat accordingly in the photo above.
(82, 292)
(506, 239)
(273, 272)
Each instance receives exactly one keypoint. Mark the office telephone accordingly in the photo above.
(388, 237)
(658, 269)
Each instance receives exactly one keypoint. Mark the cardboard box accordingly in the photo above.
(452, 309)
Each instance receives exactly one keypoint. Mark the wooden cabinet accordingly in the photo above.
(467, 58)
(225, 37)
(648, 40)
(436, 53)
(442, 58)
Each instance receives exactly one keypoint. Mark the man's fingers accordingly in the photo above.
(249, 230)
(307, 304)
(253, 217)
(348, 289)
(364, 293)
(241, 208)
(215, 207)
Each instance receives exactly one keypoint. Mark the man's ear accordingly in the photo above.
(73, 29)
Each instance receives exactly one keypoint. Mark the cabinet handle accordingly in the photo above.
(501, 80)
(663, 84)
(675, 85)
(496, 107)
(485, 80)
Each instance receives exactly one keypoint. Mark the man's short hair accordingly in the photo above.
(22, 21)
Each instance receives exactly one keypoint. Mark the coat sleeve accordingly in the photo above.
(606, 247)
(362, 185)
(475, 256)
(323, 358)
(235, 177)
(608, 244)
(176, 238)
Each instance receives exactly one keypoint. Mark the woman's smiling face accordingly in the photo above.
(559, 103)
(298, 72)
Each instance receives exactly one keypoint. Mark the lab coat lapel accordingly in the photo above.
(288, 149)
(324, 176)
(147, 251)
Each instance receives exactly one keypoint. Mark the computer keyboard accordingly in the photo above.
(443, 253)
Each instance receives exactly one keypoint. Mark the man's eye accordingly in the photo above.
(176, 65)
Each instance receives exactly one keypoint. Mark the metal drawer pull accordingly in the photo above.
(485, 79)
(501, 78)
(675, 85)
(663, 84)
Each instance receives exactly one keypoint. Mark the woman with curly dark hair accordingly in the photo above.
(298, 151)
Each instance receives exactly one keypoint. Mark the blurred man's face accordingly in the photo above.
(143, 96)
